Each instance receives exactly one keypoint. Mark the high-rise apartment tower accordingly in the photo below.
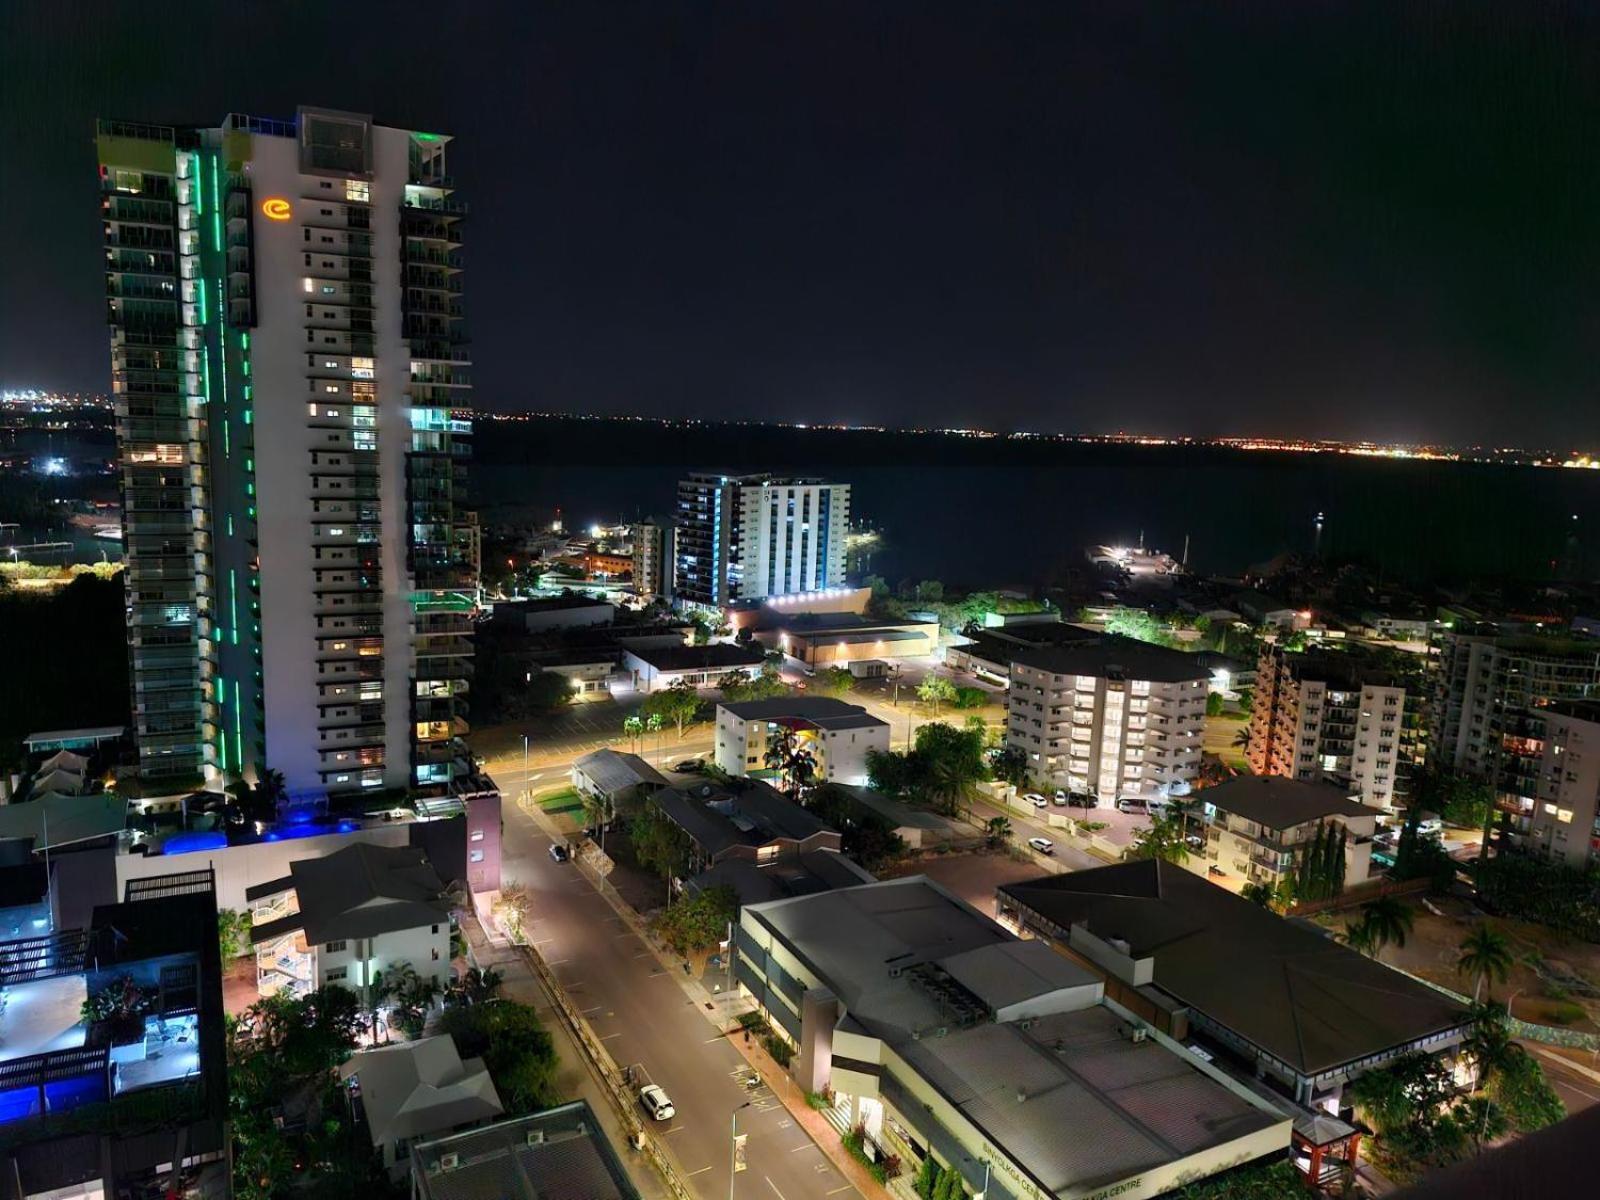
(743, 537)
(290, 374)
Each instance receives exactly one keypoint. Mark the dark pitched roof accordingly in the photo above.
(364, 890)
(713, 656)
(753, 815)
(1279, 803)
(821, 711)
(1115, 658)
(1297, 995)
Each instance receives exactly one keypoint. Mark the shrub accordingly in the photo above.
(782, 1053)
(1566, 1013)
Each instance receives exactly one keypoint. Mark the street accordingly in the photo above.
(645, 1019)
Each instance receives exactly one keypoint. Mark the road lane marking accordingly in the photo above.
(774, 1187)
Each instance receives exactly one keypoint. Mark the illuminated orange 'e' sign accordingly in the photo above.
(275, 209)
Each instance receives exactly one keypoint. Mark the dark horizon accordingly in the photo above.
(1362, 223)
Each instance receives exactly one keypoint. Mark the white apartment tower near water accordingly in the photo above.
(1112, 718)
(290, 373)
(749, 536)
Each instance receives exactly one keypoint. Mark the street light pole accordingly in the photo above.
(525, 787)
(733, 1147)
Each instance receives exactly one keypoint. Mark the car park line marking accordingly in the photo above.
(703, 1170)
(774, 1187)
(804, 1146)
(609, 1036)
(845, 1188)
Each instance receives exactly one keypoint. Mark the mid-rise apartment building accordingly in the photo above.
(1262, 828)
(745, 536)
(653, 544)
(1323, 718)
(290, 373)
(1111, 718)
(1550, 780)
(1487, 681)
(837, 736)
(349, 917)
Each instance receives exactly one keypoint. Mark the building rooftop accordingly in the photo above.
(1012, 1033)
(889, 809)
(821, 711)
(1078, 1104)
(614, 770)
(412, 1089)
(556, 603)
(798, 875)
(1114, 657)
(360, 891)
(52, 820)
(752, 814)
(558, 1154)
(1279, 802)
(1298, 996)
(713, 657)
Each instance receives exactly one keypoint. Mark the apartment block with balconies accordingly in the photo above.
(1110, 717)
(293, 377)
(1328, 718)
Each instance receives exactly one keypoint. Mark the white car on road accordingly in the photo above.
(1042, 845)
(656, 1103)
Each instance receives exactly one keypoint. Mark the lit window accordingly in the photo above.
(357, 191)
(331, 387)
(331, 364)
(328, 289)
(309, 285)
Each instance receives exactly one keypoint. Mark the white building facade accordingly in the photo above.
(838, 736)
(312, 607)
(748, 536)
(1108, 720)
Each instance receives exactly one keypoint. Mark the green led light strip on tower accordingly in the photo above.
(238, 734)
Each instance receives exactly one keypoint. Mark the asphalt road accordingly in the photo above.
(647, 1021)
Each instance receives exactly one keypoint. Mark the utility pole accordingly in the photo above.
(733, 1147)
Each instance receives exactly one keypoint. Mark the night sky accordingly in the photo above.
(1293, 218)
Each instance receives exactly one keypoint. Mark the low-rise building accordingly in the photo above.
(411, 1092)
(113, 1052)
(614, 776)
(1328, 716)
(745, 819)
(560, 1152)
(1267, 997)
(940, 1035)
(1110, 717)
(837, 735)
(1262, 827)
(652, 668)
(542, 614)
(916, 827)
(818, 640)
(349, 917)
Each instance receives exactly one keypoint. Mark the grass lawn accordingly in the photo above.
(566, 800)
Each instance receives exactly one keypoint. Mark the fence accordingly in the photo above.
(1361, 893)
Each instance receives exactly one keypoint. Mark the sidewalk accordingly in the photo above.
(574, 1079)
(816, 1125)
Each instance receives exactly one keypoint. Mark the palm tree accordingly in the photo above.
(1259, 894)
(998, 831)
(1489, 1043)
(1358, 936)
(1241, 740)
(473, 987)
(634, 727)
(1388, 922)
(1486, 956)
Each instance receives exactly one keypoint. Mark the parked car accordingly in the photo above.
(1216, 871)
(1042, 845)
(1036, 800)
(656, 1103)
(1060, 798)
(1082, 800)
(1129, 804)
(558, 852)
(690, 766)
